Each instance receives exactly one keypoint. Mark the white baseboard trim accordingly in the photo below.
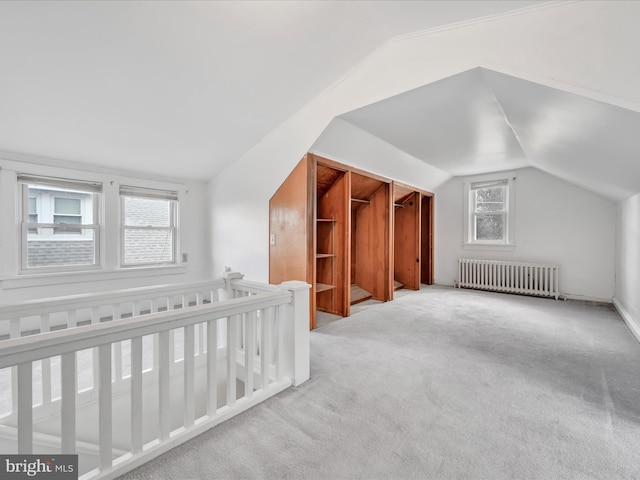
(631, 323)
(586, 298)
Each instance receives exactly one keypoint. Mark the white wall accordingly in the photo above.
(627, 298)
(346, 143)
(193, 233)
(556, 222)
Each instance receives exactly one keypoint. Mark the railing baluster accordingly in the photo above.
(265, 347)
(136, 395)
(279, 341)
(105, 413)
(72, 320)
(172, 348)
(188, 363)
(14, 332)
(200, 338)
(45, 326)
(68, 402)
(232, 349)
(135, 309)
(172, 340)
(164, 386)
(117, 346)
(212, 367)
(95, 318)
(14, 328)
(25, 408)
(153, 306)
(249, 352)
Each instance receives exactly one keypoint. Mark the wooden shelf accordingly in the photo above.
(359, 294)
(325, 220)
(359, 200)
(323, 287)
(325, 255)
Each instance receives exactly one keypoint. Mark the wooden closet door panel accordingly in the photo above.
(426, 224)
(290, 225)
(407, 242)
(291, 213)
(372, 245)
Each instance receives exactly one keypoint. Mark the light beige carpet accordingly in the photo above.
(442, 384)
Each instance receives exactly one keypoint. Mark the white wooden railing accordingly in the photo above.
(244, 341)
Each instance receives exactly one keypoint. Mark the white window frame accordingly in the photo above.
(152, 193)
(507, 179)
(27, 227)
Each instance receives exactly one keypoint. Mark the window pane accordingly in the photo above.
(147, 212)
(67, 220)
(33, 213)
(67, 205)
(33, 219)
(490, 227)
(490, 199)
(42, 252)
(148, 246)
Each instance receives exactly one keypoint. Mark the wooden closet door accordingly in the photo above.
(291, 236)
(406, 242)
(426, 242)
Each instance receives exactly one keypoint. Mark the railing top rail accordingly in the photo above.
(89, 300)
(45, 345)
(254, 287)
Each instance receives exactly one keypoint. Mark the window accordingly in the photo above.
(149, 226)
(59, 226)
(67, 211)
(489, 211)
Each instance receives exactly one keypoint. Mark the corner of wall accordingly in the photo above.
(633, 325)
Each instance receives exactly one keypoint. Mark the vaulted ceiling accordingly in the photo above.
(185, 88)
(481, 121)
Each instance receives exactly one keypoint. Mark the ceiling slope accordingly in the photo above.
(184, 88)
(590, 143)
(455, 124)
(482, 121)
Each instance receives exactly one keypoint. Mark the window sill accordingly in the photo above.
(505, 247)
(60, 278)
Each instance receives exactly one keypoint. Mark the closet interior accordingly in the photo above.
(353, 235)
